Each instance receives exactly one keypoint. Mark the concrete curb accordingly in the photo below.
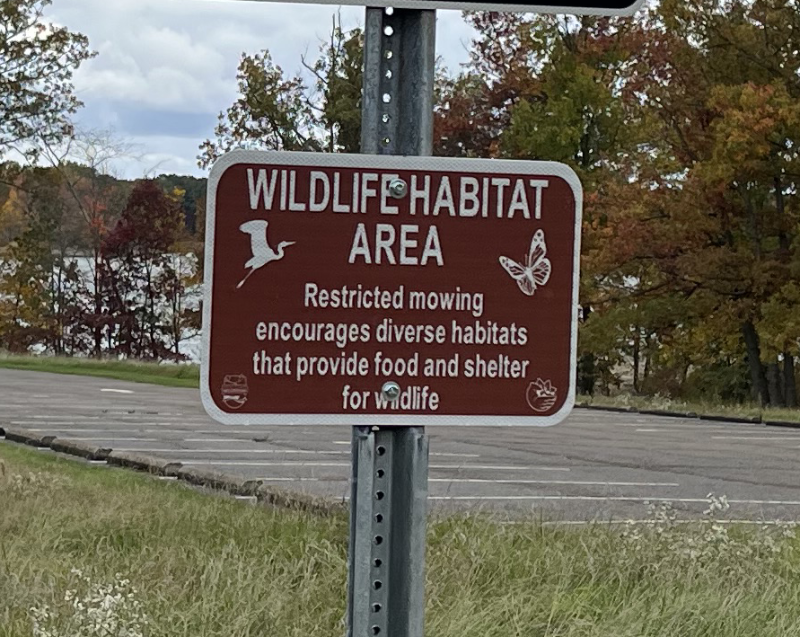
(782, 423)
(756, 420)
(267, 495)
(80, 449)
(619, 410)
(668, 414)
(148, 464)
(15, 434)
(692, 415)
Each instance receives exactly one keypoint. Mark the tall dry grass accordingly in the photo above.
(160, 560)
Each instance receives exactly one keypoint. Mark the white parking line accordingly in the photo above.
(755, 437)
(612, 498)
(110, 423)
(63, 426)
(217, 439)
(497, 467)
(334, 479)
(266, 463)
(442, 454)
(242, 451)
(500, 481)
(445, 454)
(117, 391)
(33, 417)
(112, 437)
(653, 522)
(77, 429)
(574, 482)
(246, 463)
(695, 425)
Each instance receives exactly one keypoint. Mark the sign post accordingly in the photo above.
(389, 478)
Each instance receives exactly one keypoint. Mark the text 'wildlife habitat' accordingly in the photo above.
(332, 275)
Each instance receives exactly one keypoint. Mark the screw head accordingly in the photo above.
(398, 188)
(391, 390)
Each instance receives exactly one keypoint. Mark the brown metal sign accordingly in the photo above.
(367, 290)
(573, 7)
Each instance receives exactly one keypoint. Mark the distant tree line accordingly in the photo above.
(91, 265)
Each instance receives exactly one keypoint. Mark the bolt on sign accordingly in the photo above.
(380, 290)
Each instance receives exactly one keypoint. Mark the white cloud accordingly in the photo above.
(164, 61)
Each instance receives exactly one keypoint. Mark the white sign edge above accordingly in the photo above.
(383, 162)
(458, 5)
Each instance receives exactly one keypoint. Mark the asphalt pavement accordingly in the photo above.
(596, 465)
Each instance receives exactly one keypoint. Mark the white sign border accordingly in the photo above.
(458, 5)
(383, 162)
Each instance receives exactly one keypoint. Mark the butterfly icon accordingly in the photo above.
(536, 271)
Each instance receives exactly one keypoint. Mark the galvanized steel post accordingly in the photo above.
(389, 481)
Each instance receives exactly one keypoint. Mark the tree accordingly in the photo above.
(43, 291)
(276, 112)
(709, 215)
(194, 190)
(474, 108)
(138, 274)
(37, 61)
(337, 101)
(271, 113)
(550, 88)
(84, 162)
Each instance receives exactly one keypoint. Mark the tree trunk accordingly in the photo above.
(98, 307)
(789, 382)
(758, 382)
(775, 386)
(780, 208)
(636, 347)
(587, 369)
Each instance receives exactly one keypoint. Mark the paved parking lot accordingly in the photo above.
(596, 465)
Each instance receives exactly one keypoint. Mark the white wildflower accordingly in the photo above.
(92, 610)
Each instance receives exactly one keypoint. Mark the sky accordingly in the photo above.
(166, 68)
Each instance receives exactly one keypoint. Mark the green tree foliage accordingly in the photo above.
(276, 112)
(194, 191)
(338, 76)
(37, 61)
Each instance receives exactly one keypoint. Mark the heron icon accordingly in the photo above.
(262, 252)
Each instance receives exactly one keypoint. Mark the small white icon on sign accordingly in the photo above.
(262, 252)
(536, 271)
(541, 395)
(234, 390)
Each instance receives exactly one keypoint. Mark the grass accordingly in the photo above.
(170, 375)
(705, 408)
(204, 566)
